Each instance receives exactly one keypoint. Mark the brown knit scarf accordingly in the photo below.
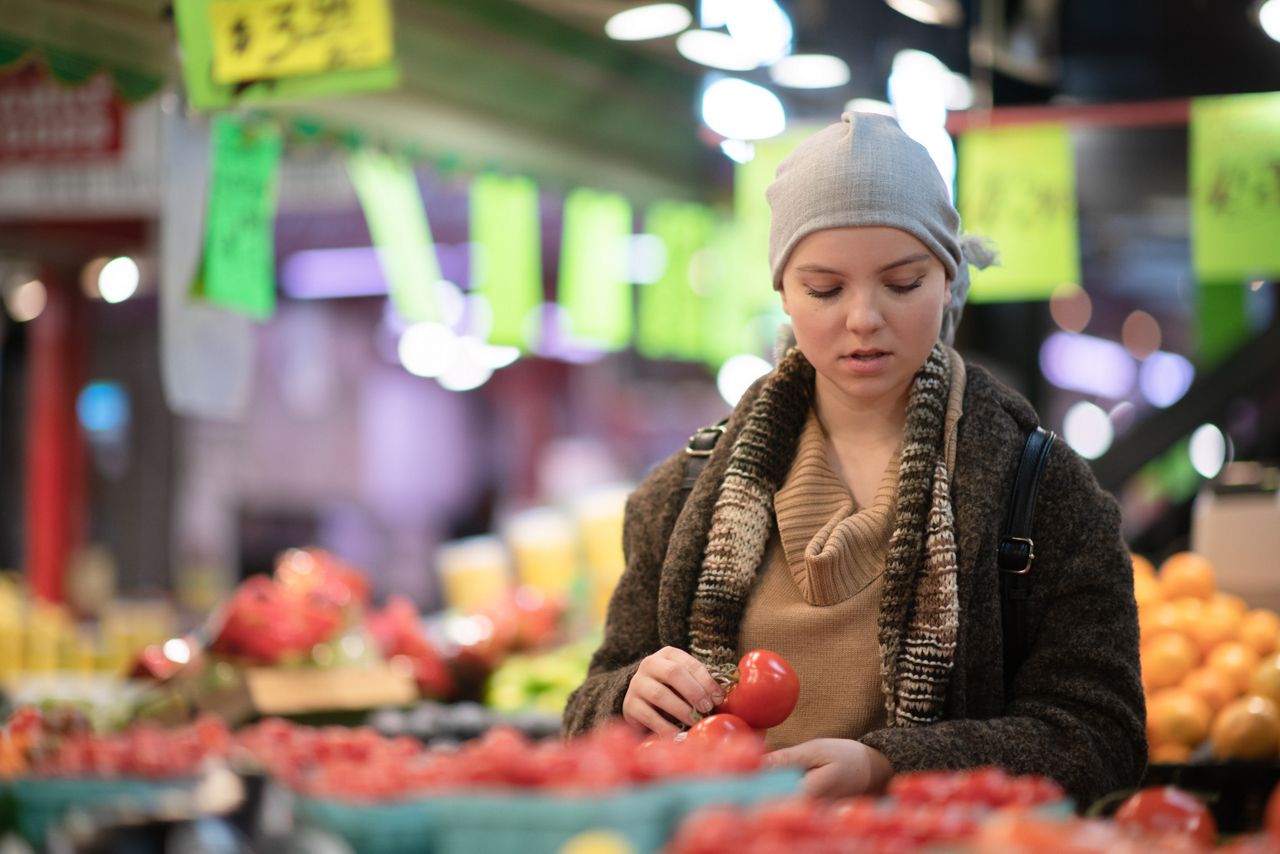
(920, 603)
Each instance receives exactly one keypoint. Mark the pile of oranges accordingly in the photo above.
(1210, 664)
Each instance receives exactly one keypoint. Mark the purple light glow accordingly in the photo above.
(1087, 364)
(1165, 378)
(353, 271)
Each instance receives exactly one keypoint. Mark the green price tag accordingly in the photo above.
(506, 256)
(388, 191)
(1017, 187)
(672, 321)
(239, 267)
(1235, 187)
(593, 268)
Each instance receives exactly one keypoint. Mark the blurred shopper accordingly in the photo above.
(848, 519)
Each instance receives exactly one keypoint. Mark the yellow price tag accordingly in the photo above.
(266, 39)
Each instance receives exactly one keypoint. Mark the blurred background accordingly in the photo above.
(430, 284)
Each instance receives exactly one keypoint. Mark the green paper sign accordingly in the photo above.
(195, 24)
(1235, 187)
(506, 255)
(388, 192)
(593, 268)
(239, 267)
(672, 317)
(1017, 187)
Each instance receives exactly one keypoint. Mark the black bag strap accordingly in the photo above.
(701, 444)
(1016, 552)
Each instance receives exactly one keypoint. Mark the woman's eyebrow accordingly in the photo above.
(910, 259)
(817, 268)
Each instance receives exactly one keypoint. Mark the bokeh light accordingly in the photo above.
(1087, 429)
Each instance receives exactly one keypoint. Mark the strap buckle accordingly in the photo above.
(1014, 562)
(709, 435)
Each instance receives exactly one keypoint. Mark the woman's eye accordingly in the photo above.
(903, 289)
(827, 294)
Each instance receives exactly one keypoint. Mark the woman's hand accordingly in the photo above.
(836, 767)
(673, 682)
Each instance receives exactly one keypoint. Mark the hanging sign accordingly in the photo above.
(1017, 187)
(397, 218)
(239, 268)
(253, 40)
(1235, 187)
(506, 255)
(594, 290)
(253, 51)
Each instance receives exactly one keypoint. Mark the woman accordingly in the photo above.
(848, 520)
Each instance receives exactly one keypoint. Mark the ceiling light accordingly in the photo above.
(737, 374)
(119, 279)
(428, 349)
(1208, 450)
(761, 28)
(810, 71)
(736, 109)
(738, 150)
(648, 22)
(870, 105)
(958, 93)
(1165, 377)
(917, 88)
(713, 13)
(714, 50)
(943, 12)
(1087, 364)
(1269, 18)
(26, 301)
(1087, 429)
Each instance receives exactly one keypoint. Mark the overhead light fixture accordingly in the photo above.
(713, 13)
(1088, 430)
(810, 71)
(654, 21)
(1268, 13)
(946, 13)
(714, 50)
(736, 109)
(762, 29)
(870, 105)
(119, 279)
(738, 150)
(1208, 450)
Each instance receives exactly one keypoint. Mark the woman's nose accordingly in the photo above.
(863, 313)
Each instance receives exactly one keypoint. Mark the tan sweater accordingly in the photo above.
(817, 601)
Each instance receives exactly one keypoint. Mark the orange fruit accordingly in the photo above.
(1248, 728)
(1170, 753)
(1229, 601)
(1146, 590)
(1167, 659)
(1179, 616)
(1187, 574)
(1234, 660)
(1260, 629)
(1142, 566)
(1177, 716)
(1215, 688)
(1218, 623)
(1266, 679)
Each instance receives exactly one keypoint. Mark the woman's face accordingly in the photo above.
(866, 304)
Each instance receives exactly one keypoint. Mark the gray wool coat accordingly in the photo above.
(1075, 711)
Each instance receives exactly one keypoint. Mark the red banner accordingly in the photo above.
(42, 120)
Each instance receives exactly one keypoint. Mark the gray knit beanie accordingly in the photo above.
(864, 170)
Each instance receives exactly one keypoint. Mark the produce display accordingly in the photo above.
(1210, 666)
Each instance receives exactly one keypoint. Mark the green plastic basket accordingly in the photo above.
(535, 823)
(42, 802)
(393, 828)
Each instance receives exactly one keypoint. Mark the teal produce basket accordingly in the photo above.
(513, 822)
(42, 802)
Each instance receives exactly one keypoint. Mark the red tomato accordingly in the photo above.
(1163, 809)
(714, 729)
(766, 690)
